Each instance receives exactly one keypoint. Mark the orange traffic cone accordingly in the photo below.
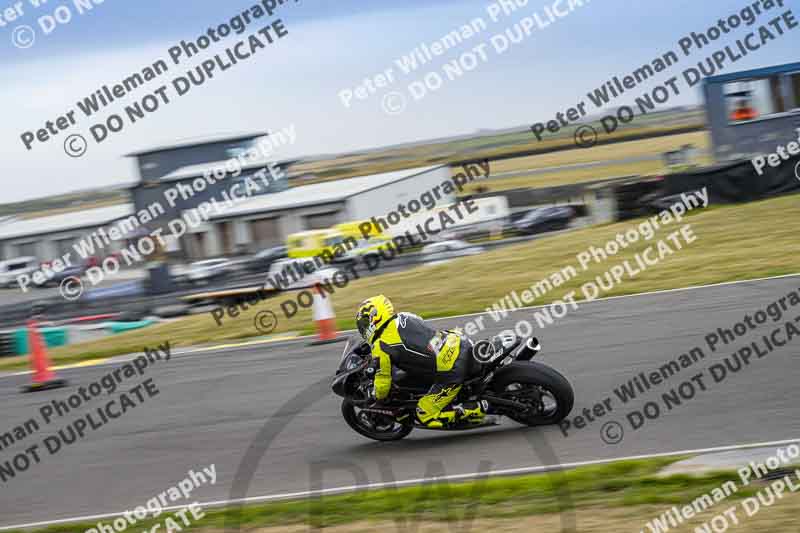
(324, 317)
(43, 377)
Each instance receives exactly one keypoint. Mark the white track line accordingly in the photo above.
(411, 482)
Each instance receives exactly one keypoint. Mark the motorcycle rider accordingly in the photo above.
(406, 341)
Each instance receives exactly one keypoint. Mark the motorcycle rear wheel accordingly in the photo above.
(356, 420)
(524, 382)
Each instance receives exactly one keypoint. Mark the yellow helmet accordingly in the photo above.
(372, 314)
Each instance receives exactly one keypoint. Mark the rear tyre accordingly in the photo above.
(375, 427)
(547, 392)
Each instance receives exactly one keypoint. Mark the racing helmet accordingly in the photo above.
(372, 314)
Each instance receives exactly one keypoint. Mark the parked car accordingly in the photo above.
(10, 269)
(656, 203)
(262, 261)
(545, 219)
(209, 269)
(297, 273)
(443, 250)
(57, 277)
(373, 245)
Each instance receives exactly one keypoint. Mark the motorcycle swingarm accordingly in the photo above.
(501, 402)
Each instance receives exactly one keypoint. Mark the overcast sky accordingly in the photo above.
(328, 49)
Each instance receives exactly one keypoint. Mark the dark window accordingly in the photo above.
(753, 99)
(63, 247)
(794, 90)
(27, 250)
(265, 232)
(227, 238)
(12, 267)
(322, 220)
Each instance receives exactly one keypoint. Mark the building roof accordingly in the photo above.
(100, 216)
(755, 73)
(320, 193)
(198, 142)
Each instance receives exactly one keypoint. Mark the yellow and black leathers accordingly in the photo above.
(407, 342)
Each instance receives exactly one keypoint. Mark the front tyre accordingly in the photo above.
(547, 393)
(373, 425)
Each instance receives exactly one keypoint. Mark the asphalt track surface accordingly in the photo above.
(213, 404)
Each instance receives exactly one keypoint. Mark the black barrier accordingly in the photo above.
(733, 182)
(737, 181)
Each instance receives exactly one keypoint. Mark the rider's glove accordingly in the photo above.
(371, 399)
(363, 349)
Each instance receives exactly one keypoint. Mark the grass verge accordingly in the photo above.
(630, 485)
(558, 178)
(614, 154)
(735, 242)
(607, 152)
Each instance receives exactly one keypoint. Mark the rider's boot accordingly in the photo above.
(440, 421)
(472, 412)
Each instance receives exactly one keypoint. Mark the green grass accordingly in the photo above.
(611, 152)
(620, 484)
(645, 147)
(734, 242)
(497, 148)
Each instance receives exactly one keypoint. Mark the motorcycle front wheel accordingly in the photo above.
(374, 425)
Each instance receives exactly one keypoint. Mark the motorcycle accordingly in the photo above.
(505, 377)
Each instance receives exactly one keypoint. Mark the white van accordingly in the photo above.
(10, 269)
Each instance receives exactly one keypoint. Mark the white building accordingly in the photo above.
(256, 223)
(50, 237)
(267, 220)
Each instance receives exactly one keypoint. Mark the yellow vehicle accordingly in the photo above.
(372, 244)
(320, 242)
(350, 229)
(343, 242)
